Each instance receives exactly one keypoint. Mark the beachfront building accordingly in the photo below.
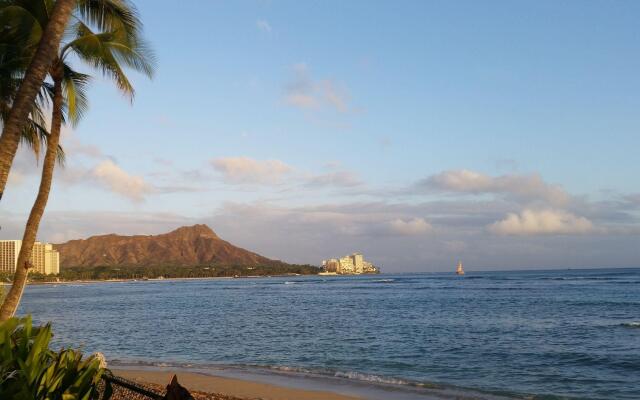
(9, 250)
(353, 264)
(44, 258)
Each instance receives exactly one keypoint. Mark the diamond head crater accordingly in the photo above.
(187, 252)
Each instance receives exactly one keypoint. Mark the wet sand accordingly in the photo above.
(231, 387)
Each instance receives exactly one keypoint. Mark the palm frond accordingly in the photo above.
(45, 95)
(109, 52)
(111, 16)
(19, 25)
(74, 87)
(138, 56)
(31, 137)
(36, 136)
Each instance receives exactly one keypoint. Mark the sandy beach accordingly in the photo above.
(230, 387)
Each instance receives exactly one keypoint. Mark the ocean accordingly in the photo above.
(520, 334)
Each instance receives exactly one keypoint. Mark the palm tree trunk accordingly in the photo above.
(11, 302)
(33, 78)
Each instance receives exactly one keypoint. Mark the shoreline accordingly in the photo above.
(249, 383)
(120, 280)
(227, 386)
(88, 281)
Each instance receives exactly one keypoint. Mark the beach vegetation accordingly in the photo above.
(30, 370)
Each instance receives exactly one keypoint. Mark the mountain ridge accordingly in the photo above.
(185, 246)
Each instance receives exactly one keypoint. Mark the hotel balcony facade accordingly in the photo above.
(44, 259)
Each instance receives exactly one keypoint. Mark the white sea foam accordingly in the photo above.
(290, 369)
(352, 375)
(370, 378)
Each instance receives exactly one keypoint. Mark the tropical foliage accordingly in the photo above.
(36, 50)
(17, 42)
(28, 48)
(30, 370)
(154, 272)
(116, 46)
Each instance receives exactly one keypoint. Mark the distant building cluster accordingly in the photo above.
(44, 258)
(349, 265)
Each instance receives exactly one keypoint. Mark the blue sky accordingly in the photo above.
(500, 132)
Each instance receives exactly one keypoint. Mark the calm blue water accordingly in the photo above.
(573, 333)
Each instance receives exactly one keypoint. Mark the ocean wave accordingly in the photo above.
(162, 364)
(284, 369)
(307, 281)
(351, 375)
(141, 363)
(635, 324)
(385, 382)
(359, 376)
(577, 278)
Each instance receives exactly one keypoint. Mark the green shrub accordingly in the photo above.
(29, 370)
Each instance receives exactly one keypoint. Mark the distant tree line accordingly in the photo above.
(168, 271)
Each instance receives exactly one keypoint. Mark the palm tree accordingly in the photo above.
(14, 58)
(106, 15)
(34, 134)
(107, 51)
(30, 86)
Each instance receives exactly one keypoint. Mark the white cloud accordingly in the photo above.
(461, 181)
(521, 187)
(26, 164)
(244, 170)
(114, 178)
(306, 93)
(84, 164)
(335, 178)
(414, 226)
(293, 233)
(74, 146)
(540, 222)
(263, 25)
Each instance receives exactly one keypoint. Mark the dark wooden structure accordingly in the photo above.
(118, 388)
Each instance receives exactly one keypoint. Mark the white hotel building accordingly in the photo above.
(353, 264)
(44, 258)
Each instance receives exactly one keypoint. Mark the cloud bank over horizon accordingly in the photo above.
(484, 219)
